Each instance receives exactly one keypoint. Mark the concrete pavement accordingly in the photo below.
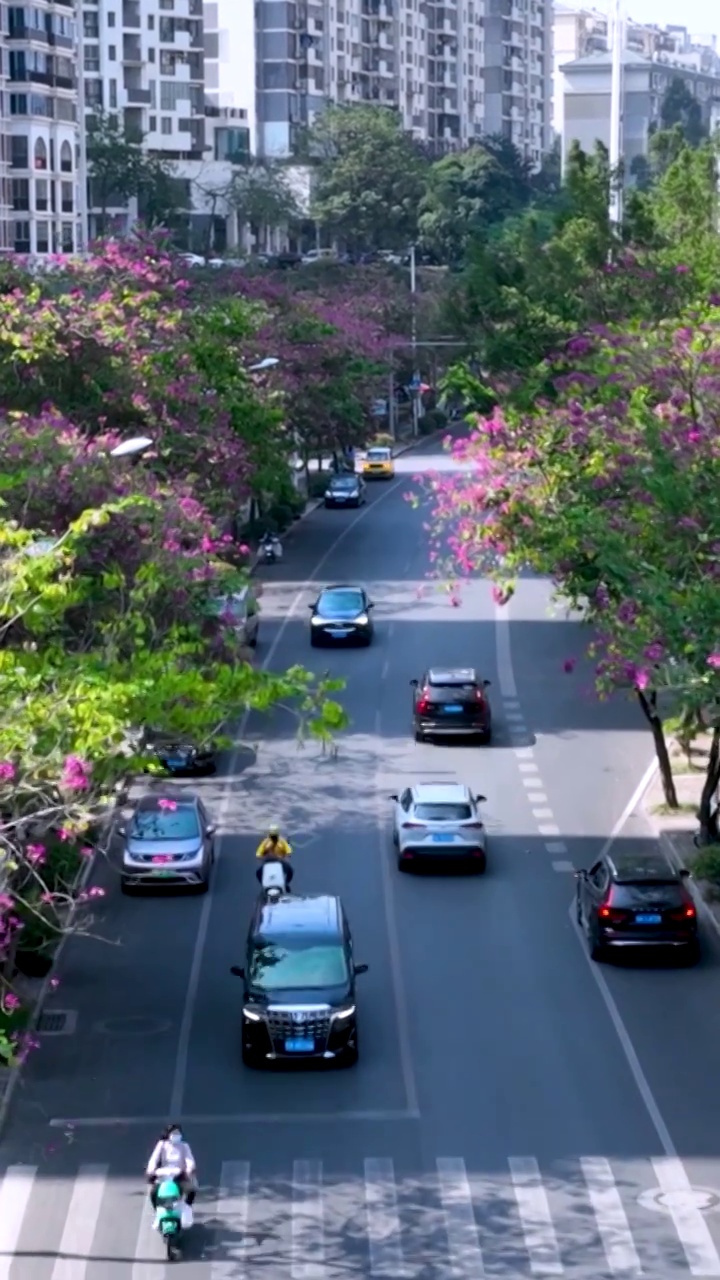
(497, 1123)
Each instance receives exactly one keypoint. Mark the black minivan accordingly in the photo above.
(299, 984)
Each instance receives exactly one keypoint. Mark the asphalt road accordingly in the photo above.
(516, 1111)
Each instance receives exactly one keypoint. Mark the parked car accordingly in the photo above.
(178, 756)
(241, 611)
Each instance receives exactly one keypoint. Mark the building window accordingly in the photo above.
(42, 237)
(66, 197)
(67, 238)
(166, 124)
(40, 154)
(232, 145)
(18, 104)
(91, 28)
(152, 124)
(91, 57)
(151, 22)
(22, 237)
(20, 194)
(40, 105)
(65, 109)
(166, 4)
(19, 153)
(41, 195)
(94, 93)
(112, 53)
(111, 19)
(113, 95)
(167, 63)
(66, 163)
(151, 55)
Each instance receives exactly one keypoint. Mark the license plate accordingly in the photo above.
(648, 919)
(174, 763)
(453, 710)
(169, 1226)
(339, 635)
(443, 839)
(299, 1046)
(163, 873)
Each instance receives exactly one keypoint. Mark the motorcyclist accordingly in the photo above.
(271, 542)
(172, 1158)
(274, 846)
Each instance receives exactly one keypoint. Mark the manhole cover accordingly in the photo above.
(683, 1200)
(59, 1022)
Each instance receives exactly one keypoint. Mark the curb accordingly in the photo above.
(665, 841)
(11, 1079)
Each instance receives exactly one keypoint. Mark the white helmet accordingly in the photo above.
(274, 829)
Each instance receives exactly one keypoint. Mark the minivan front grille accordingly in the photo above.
(308, 1024)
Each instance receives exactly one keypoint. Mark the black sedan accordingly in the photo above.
(179, 758)
(345, 491)
(341, 615)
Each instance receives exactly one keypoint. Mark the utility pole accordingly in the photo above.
(413, 337)
(617, 104)
(82, 167)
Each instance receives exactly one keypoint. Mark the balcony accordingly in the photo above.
(132, 51)
(131, 16)
(138, 97)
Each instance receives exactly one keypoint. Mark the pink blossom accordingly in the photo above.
(87, 851)
(6, 902)
(7, 771)
(36, 853)
(76, 774)
(569, 665)
(642, 678)
(714, 661)
(167, 804)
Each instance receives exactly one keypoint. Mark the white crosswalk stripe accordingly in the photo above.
(448, 1222)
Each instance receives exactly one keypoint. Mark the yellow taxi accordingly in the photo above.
(378, 463)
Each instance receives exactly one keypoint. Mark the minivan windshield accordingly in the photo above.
(343, 482)
(340, 604)
(179, 823)
(294, 964)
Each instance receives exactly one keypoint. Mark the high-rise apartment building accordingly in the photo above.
(38, 128)
(455, 69)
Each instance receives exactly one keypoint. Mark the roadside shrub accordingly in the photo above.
(707, 865)
(433, 420)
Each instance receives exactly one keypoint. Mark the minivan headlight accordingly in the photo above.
(252, 1015)
(362, 620)
(317, 622)
(346, 1012)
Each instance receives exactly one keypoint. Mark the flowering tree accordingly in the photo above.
(611, 490)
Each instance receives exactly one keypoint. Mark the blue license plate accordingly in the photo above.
(648, 919)
(163, 873)
(443, 839)
(453, 710)
(340, 635)
(174, 763)
(299, 1046)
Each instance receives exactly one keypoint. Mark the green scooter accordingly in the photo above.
(170, 1215)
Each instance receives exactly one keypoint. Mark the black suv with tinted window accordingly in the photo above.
(451, 703)
(299, 983)
(636, 900)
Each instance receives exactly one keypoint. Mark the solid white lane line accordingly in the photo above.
(232, 1209)
(383, 1220)
(308, 1240)
(625, 1040)
(630, 807)
(612, 1223)
(183, 1051)
(692, 1229)
(81, 1223)
(503, 653)
(150, 1248)
(460, 1225)
(534, 1211)
(15, 1195)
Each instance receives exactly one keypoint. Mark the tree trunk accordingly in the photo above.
(708, 809)
(649, 709)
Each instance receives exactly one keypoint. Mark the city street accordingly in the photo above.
(516, 1111)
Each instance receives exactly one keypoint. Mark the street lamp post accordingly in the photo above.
(132, 448)
(617, 94)
(268, 363)
(413, 338)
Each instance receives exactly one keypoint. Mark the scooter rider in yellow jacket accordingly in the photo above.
(273, 846)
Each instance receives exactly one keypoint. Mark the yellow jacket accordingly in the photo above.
(280, 848)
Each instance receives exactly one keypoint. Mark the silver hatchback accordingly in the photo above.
(168, 843)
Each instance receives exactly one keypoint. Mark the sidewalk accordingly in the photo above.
(675, 830)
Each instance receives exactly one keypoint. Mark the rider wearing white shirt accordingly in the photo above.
(172, 1158)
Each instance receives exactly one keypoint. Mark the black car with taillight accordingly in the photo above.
(299, 984)
(451, 702)
(636, 900)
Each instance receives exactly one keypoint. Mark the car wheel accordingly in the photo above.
(126, 887)
(249, 1058)
(395, 839)
(419, 735)
(352, 1055)
(402, 864)
(598, 952)
(204, 885)
(486, 737)
(578, 912)
(252, 642)
(314, 642)
(691, 954)
(480, 866)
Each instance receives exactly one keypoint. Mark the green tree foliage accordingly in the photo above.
(469, 192)
(680, 107)
(119, 168)
(369, 177)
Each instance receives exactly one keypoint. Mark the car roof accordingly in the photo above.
(440, 793)
(345, 480)
(316, 914)
(342, 586)
(629, 868)
(151, 804)
(452, 675)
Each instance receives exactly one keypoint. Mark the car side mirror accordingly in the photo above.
(684, 873)
(486, 684)
(237, 972)
(393, 797)
(414, 684)
(210, 831)
(480, 799)
(311, 606)
(581, 875)
(122, 831)
(361, 968)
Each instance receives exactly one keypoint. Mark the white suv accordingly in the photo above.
(439, 822)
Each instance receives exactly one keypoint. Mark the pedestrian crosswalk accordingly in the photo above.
(590, 1218)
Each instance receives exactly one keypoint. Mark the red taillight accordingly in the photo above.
(479, 695)
(683, 913)
(612, 916)
(407, 825)
(423, 706)
(473, 826)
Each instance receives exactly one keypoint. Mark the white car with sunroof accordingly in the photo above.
(439, 823)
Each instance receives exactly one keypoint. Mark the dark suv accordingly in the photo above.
(636, 900)
(453, 703)
(299, 983)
